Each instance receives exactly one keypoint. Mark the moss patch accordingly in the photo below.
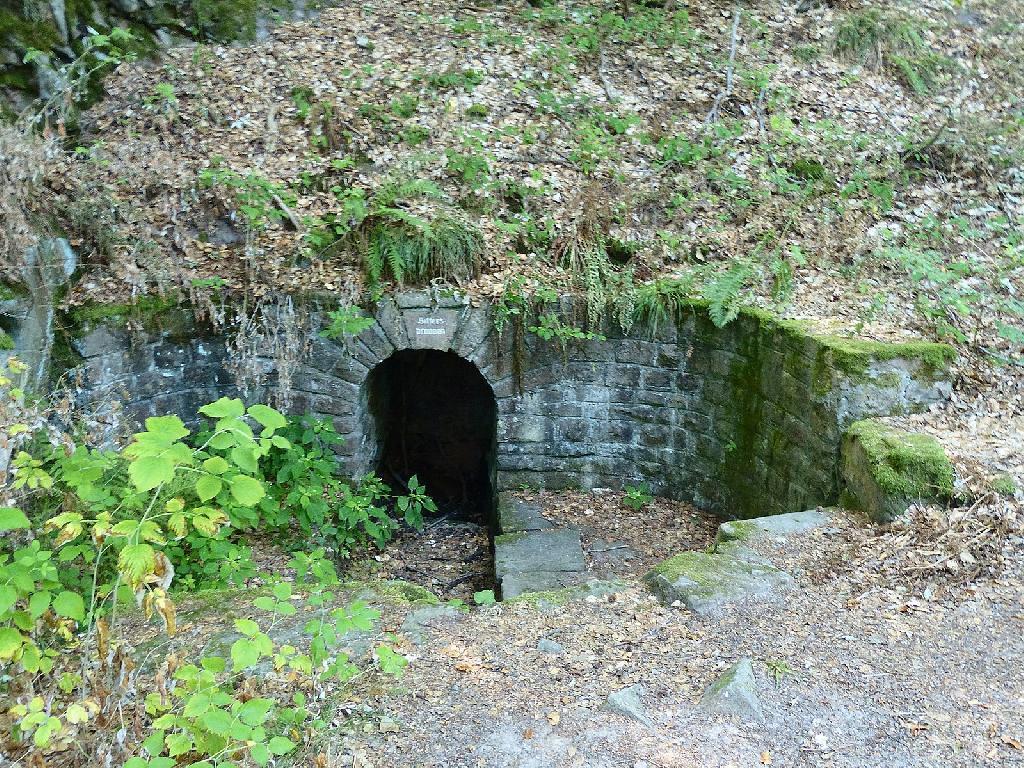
(509, 538)
(699, 567)
(11, 292)
(155, 314)
(96, 313)
(904, 463)
(30, 34)
(395, 590)
(735, 530)
(556, 597)
(853, 356)
(885, 469)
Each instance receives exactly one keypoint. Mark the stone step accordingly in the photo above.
(558, 549)
(516, 584)
(537, 557)
(516, 516)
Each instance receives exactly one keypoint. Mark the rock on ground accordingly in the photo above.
(735, 693)
(707, 583)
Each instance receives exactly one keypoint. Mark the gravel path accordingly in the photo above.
(851, 671)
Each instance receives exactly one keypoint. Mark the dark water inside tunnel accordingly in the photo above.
(435, 418)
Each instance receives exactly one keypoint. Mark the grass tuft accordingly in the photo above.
(893, 42)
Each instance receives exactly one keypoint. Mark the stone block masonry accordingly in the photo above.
(745, 420)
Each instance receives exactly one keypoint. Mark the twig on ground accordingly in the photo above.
(760, 109)
(609, 90)
(729, 71)
(461, 579)
(910, 151)
(292, 218)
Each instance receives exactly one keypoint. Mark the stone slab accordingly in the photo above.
(629, 703)
(515, 516)
(516, 584)
(428, 329)
(734, 693)
(772, 526)
(419, 622)
(554, 550)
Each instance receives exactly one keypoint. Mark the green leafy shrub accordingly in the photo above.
(662, 301)
(260, 201)
(122, 526)
(395, 243)
(403, 247)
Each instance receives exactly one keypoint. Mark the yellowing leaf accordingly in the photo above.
(75, 714)
(176, 524)
(135, 562)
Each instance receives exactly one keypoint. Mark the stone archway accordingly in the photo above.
(433, 415)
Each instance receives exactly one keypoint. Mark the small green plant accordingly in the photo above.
(662, 301)
(1004, 484)
(513, 304)
(725, 293)
(637, 497)
(404, 106)
(594, 145)
(552, 328)
(398, 244)
(455, 79)
(473, 168)
(778, 669)
(414, 135)
(303, 98)
(163, 93)
(260, 201)
(347, 320)
(484, 597)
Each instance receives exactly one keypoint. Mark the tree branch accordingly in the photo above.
(729, 71)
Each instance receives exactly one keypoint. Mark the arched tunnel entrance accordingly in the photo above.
(434, 416)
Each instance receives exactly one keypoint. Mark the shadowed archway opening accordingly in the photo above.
(434, 416)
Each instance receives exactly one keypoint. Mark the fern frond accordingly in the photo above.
(373, 261)
(392, 191)
(397, 263)
(724, 294)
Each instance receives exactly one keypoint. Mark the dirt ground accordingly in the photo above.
(853, 669)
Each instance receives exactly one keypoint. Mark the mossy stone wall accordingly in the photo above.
(745, 420)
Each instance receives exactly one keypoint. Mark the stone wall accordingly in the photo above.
(744, 420)
(137, 364)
